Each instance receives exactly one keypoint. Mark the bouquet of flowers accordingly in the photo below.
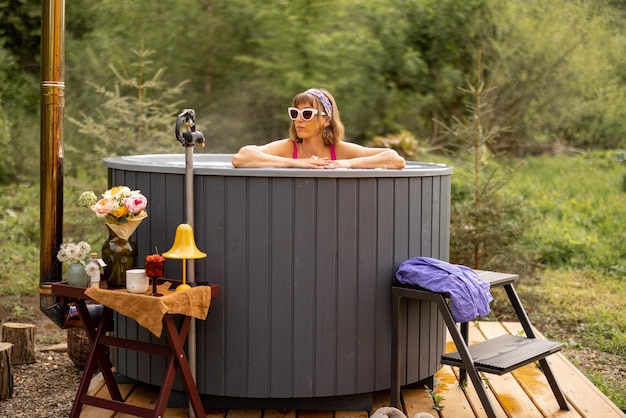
(121, 208)
(74, 253)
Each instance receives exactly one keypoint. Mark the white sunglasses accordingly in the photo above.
(307, 113)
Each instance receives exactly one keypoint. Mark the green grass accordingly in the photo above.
(580, 308)
(611, 387)
(579, 203)
(49, 340)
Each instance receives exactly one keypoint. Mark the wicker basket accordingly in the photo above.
(77, 346)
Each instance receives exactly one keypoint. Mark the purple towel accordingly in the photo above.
(469, 293)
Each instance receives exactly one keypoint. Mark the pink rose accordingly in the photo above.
(135, 204)
(103, 207)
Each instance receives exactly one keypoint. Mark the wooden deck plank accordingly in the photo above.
(455, 400)
(142, 395)
(315, 414)
(350, 414)
(145, 396)
(244, 413)
(586, 398)
(530, 378)
(474, 401)
(416, 401)
(215, 413)
(101, 391)
(97, 382)
(274, 413)
(526, 384)
(379, 400)
(470, 391)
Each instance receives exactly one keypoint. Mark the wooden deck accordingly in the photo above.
(523, 393)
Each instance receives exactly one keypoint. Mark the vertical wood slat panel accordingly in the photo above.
(413, 344)
(366, 290)
(435, 218)
(415, 218)
(281, 271)
(427, 324)
(144, 238)
(174, 215)
(304, 289)
(259, 286)
(127, 359)
(210, 221)
(384, 275)
(347, 263)
(325, 287)
(444, 231)
(427, 217)
(401, 221)
(236, 288)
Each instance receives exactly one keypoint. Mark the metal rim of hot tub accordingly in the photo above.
(220, 164)
(305, 260)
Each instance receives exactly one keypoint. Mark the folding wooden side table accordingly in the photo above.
(98, 356)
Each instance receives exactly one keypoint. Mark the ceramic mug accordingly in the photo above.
(137, 281)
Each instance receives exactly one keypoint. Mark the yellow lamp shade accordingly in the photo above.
(184, 245)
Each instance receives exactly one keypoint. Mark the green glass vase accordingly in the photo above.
(119, 255)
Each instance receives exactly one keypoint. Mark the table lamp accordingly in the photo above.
(184, 248)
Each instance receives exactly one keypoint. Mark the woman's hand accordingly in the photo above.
(314, 163)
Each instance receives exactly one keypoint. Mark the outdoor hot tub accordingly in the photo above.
(305, 260)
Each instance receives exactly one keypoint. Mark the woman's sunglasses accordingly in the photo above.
(307, 113)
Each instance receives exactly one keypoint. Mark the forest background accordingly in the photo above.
(526, 99)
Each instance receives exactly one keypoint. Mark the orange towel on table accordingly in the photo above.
(148, 310)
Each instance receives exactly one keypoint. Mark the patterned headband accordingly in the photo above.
(328, 107)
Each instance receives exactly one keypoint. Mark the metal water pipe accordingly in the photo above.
(51, 140)
(189, 139)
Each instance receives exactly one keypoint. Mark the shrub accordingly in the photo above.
(487, 221)
(403, 142)
(19, 228)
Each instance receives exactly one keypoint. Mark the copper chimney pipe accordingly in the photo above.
(51, 140)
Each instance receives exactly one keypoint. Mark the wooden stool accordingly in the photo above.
(498, 356)
(22, 336)
(6, 371)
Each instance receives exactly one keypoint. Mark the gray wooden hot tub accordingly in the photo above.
(305, 260)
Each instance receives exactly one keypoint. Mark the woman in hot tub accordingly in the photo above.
(316, 141)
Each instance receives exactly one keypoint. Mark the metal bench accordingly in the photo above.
(497, 356)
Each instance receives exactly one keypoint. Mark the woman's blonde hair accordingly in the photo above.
(321, 100)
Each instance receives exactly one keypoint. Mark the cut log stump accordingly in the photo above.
(6, 371)
(22, 336)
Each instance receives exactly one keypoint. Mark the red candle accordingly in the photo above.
(155, 265)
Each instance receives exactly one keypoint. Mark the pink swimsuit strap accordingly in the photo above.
(333, 156)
